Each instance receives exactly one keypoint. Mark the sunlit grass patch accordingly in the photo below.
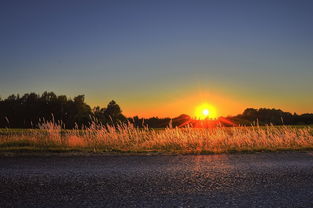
(127, 138)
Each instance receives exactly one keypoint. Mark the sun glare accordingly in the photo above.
(205, 111)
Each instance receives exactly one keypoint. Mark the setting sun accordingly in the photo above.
(205, 111)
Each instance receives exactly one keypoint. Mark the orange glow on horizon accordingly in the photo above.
(175, 104)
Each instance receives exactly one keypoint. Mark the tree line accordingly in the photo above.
(266, 116)
(29, 110)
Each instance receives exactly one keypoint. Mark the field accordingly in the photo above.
(128, 139)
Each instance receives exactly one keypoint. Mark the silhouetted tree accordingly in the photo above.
(250, 114)
(110, 115)
(270, 116)
(31, 108)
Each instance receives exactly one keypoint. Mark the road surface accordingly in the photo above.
(235, 180)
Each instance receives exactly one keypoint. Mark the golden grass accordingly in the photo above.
(127, 138)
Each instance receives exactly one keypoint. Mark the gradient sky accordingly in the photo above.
(161, 58)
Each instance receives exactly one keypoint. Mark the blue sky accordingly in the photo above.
(151, 55)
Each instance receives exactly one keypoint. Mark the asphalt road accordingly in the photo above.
(238, 180)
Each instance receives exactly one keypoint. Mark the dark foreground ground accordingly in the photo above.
(238, 180)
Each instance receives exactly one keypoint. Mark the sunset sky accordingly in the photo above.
(161, 58)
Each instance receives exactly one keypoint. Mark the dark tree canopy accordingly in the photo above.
(112, 114)
(27, 111)
(265, 116)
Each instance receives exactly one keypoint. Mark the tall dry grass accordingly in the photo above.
(127, 138)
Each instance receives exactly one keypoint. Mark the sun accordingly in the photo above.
(205, 111)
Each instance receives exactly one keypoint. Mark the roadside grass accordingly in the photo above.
(127, 139)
